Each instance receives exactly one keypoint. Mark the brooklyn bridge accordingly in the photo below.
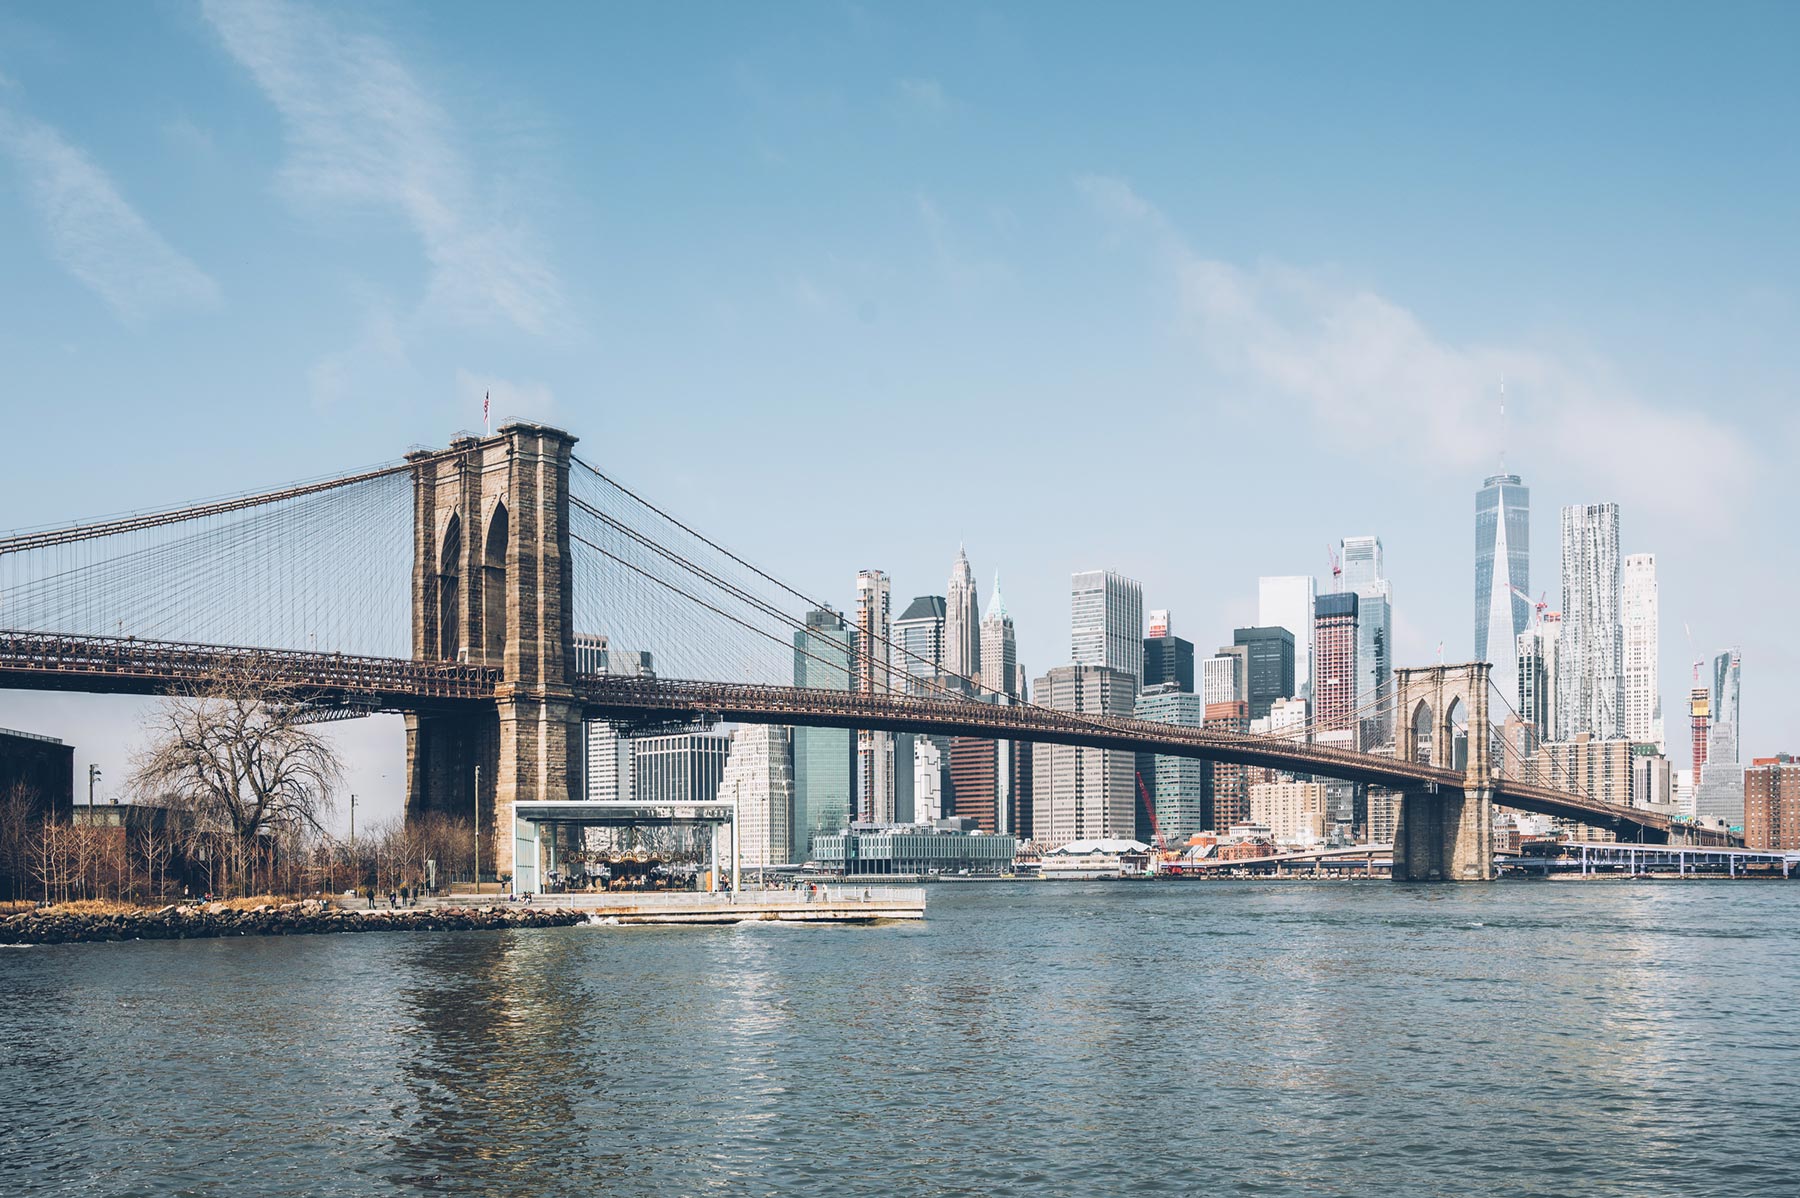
(450, 587)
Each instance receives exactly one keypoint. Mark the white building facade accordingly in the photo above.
(1294, 812)
(1590, 683)
(874, 750)
(1643, 698)
(1082, 793)
(1106, 621)
(1286, 601)
(759, 781)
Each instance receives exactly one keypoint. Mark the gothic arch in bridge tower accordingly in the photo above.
(1439, 699)
(449, 590)
(493, 585)
(1456, 718)
(1420, 724)
(1446, 830)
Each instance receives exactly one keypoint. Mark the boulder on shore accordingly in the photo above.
(304, 917)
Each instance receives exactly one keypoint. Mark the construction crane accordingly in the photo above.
(1543, 601)
(1337, 568)
(1149, 809)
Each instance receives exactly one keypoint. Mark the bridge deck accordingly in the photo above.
(124, 665)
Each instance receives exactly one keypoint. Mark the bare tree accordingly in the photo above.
(18, 837)
(155, 851)
(239, 758)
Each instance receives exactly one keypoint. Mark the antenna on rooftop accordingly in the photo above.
(1503, 424)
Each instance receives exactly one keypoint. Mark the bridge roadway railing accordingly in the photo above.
(125, 665)
(623, 697)
(49, 661)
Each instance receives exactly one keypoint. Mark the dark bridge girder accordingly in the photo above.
(127, 666)
(628, 699)
(116, 665)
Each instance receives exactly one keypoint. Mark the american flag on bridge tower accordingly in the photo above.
(485, 396)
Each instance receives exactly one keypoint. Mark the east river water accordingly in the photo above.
(1523, 1038)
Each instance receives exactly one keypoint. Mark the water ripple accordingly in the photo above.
(1028, 1039)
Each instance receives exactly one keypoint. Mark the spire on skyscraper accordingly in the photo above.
(962, 620)
(996, 607)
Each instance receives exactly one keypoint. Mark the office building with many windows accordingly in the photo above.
(1536, 697)
(1643, 696)
(1772, 804)
(1106, 621)
(1081, 793)
(1222, 677)
(824, 758)
(1335, 660)
(1268, 666)
(1364, 576)
(1169, 661)
(759, 782)
(1590, 682)
(1227, 784)
(1176, 785)
(679, 767)
(874, 750)
(918, 637)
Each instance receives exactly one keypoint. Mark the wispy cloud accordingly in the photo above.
(926, 96)
(362, 131)
(1376, 377)
(960, 269)
(511, 400)
(377, 361)
(94, 233)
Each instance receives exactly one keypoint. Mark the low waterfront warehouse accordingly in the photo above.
(945, 846)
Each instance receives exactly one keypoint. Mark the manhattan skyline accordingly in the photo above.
(902, 280)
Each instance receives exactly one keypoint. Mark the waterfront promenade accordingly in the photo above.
(823, 903)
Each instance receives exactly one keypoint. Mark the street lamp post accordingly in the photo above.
(93, 777)
(478, 830)
(355, 882)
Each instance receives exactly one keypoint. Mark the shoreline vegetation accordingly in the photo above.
(99, 922)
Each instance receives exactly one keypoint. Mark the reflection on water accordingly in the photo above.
(1028, 1038)
(502, 1039)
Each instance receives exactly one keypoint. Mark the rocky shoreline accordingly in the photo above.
(201, 921)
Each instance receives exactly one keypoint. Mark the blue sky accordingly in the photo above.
(1187, 291)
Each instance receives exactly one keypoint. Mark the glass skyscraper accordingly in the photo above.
(1726, 719)
(1502, 576)
(824, 758)
(1364, 577)
(1177, 784)
(919, 643)
(1269, 666)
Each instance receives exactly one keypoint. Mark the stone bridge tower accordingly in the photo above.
(491, 585)
(1445, 834)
